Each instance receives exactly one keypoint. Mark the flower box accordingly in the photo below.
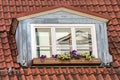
(54, 61)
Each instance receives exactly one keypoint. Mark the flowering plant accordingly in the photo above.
(72, 55)
(87, 56)
(42, 56)
(64, 56)
(55, 56)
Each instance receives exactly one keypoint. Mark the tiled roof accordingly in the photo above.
(85, 11)
(8, 49)
(75, 73)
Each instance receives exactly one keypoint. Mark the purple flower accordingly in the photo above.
(55, 56)
(42, 56)
(73, 53)
(78, 56)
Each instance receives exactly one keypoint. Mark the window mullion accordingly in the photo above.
(94, 45)
(53, 34)
(73, 38)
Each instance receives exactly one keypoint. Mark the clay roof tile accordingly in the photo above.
(108, 9)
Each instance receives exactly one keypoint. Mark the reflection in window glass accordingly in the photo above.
(63, 40)
(83, 39)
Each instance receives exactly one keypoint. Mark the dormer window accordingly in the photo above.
(61, 30)
(48, 39)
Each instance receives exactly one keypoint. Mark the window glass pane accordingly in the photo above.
(44, 51)
(83, 39)
(63, 40)
(43, 41)
(43, 36)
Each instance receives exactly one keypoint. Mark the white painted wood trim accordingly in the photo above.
(33, 41)
(73, 39)
(61, 25)
(53, 35)
(72, 26)
(94, 41)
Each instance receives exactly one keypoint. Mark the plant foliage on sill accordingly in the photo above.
(72, 55)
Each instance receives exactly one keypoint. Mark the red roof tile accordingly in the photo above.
(59, 6)
(107, 2)
(114, 2)
(8, 49)
(118, 14)
(97, 74)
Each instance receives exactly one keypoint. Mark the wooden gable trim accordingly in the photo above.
(72, 10)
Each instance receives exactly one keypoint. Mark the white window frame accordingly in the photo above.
(53, 26)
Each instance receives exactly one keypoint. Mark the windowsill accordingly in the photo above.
(53, 61)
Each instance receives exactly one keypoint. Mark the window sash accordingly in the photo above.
(53, 36)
